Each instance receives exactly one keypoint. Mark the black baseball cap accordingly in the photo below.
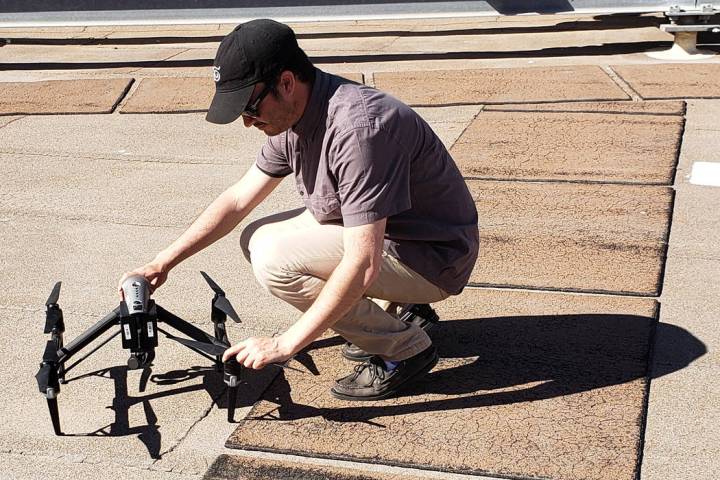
(254, 52)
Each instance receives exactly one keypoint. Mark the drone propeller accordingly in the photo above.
(208, 348)
(224, 305)
(220, 301)
(215, 287)
(54, 295)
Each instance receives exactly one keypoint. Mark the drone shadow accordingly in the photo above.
(149, 434)
(507, 360)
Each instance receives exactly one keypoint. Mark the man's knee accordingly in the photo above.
(259, 232)
(268, 262)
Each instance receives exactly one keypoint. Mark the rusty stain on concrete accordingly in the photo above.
(62, 96)
(672, 80)
(570, 146)
(644, 108)
(170, 94)
(180, 95)
(500, 85)
(530, 384)
(573, 237)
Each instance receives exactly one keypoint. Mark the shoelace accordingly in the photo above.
(377, 371)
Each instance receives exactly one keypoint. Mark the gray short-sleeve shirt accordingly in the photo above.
(359, 155)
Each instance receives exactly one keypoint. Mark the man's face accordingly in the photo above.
(274, 112)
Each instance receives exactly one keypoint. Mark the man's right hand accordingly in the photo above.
(153, 273)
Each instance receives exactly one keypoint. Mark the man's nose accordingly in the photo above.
(248, 121)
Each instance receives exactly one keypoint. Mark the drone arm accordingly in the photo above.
(182, 326)
(66, 352)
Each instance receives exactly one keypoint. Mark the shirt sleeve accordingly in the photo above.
(373, 175)
(272, 158)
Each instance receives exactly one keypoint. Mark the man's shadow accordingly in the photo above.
(506, 360)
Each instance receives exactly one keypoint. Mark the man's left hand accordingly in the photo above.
(257, 352)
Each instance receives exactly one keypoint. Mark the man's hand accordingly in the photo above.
(153, 272)
(257, 352)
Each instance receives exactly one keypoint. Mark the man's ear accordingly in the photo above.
(287, 83)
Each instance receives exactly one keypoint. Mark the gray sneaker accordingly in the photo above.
(372, 381)
(421, 314)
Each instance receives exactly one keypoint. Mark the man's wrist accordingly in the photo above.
(286, 345)
(164, 261)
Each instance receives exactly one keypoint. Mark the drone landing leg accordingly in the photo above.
(231, 377)
(54, 413)
(52, 369)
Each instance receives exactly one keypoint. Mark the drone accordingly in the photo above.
(138, 317)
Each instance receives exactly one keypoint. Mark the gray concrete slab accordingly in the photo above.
(681, 439)
(87, 53)
(689, 302)
(106, 413)
(569, 146)
(702, 116)
(40, 467)
(125, 192)
(170, 138)
(449, 122)
(181, 138)
(89, 258)
(8, 120)
(510, 42)
(695, 228)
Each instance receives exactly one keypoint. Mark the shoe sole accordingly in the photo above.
(428, 367)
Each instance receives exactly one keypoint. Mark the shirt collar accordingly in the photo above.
(314, 109)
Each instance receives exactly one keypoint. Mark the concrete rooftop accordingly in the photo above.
(583, 348)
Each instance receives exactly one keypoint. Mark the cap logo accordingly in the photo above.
(216, 74)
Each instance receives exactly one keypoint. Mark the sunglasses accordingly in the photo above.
(252, 108)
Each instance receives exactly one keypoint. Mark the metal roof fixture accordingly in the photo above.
(685, 23)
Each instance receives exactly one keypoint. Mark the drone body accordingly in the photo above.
(138, 317)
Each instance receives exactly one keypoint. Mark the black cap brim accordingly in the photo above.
(226, 107)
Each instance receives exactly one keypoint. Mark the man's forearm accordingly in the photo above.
(341, 292)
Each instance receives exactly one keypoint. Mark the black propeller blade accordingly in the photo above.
(53, 314)
(220, 301)
(209, 348)
(217, 349)
(224, 305)
(215, 287)
(54, 295)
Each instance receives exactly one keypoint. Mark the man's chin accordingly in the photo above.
(270, 131)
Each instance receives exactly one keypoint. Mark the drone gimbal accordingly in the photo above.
(138, 317)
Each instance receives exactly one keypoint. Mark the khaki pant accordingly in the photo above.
(292, 255)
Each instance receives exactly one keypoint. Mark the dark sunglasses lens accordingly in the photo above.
(252, 109)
